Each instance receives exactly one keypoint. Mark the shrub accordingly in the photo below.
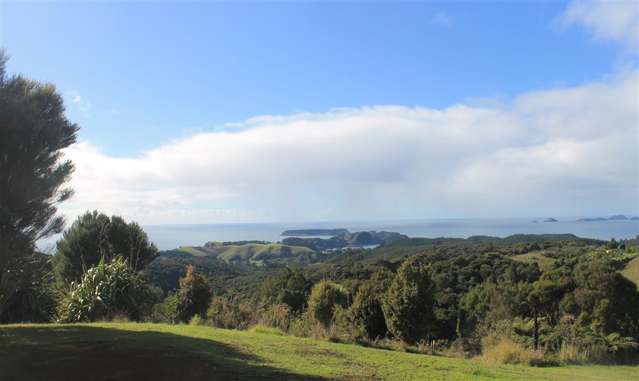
(431, 347)
(193, 297)
(277, 315)
(303, 325)
(325, 297)
(366, 315)
(165, 312)
(342, 329)
(94, 236)
(289, 287)
(26, 292)
(462, 348)
(105, 291)
(307, 326)
(570, 353)
(231, 313)
(507, 351)
(408, 304)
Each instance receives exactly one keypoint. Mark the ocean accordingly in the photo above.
(172, 236)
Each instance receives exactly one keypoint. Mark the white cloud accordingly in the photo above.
(442, 19)
(608, 20)
(555, 152)
(83, 104)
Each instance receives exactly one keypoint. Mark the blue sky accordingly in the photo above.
(169, 81)
(154, 72)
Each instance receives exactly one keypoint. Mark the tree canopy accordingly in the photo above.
(408, 304)
(94, 236)
(33, 132)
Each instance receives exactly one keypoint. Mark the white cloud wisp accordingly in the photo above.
(608, 20)
(557, 152)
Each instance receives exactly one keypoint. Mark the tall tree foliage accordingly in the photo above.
(289, 287)
(366, 312)
(324, 299)
(194, 296)
(33, 133)
(94, 236)
(409, 305)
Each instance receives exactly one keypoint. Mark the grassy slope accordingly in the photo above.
(247, 252)
(255, 251)
(194, 251)
(154, 352)
(534, 257)
(631, 271)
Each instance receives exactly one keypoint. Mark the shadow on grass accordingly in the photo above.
(69, 353)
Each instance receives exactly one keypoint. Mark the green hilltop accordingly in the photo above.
(256, 253)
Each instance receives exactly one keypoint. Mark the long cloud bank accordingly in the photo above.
(565, 151)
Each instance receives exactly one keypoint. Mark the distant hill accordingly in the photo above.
(616, 217)
(242, 266)
(592, 219)
(357, 239)
(484, 239)
(314, 232)
(253, 252)
(517, 243)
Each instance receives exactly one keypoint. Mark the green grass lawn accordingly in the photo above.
(157, 352)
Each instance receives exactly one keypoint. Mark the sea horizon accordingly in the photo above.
(170, 236)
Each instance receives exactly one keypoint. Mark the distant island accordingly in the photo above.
(619, 217)
(593, 219)
(314, 232)
(616, 217)
(550, 220)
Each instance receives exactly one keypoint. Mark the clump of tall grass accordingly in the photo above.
(507, 351)
(196, 320)
(430, 347)
(570, 353)
(278, 315)
(120, 318)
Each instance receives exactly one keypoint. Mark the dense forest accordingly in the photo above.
(537, 299)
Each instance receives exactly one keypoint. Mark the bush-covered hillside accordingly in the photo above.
(549, 299)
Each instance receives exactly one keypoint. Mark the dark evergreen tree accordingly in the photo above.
(289, 287)
(366, 311)
(94, 236)
(33, 133)
(325, 298)
(408, 305)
